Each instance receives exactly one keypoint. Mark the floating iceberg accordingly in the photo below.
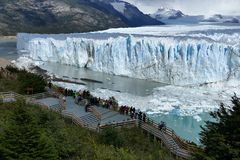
(193, 56)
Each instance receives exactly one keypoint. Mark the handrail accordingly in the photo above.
(181, 142)
(122, 123)
(175, 149)
(38, 95)
(74, 118)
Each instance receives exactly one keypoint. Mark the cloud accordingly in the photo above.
(192, 7)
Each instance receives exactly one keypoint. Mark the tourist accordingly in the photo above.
(134, 109)
(64, 99)
(66, 92)
(79, 99)
(132, 115)
(144, 117)
(140, 115)
(160, 126)
(136, 115)
(131, 110)
(127, 108)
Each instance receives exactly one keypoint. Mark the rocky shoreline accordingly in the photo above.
(8, 38)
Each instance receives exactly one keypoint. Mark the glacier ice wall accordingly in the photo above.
(173, 60)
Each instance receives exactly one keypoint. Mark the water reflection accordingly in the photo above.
(116, 83)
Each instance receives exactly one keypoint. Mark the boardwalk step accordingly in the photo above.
(90, 120)
(108, 115)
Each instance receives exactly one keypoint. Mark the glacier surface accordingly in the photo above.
(180, 55)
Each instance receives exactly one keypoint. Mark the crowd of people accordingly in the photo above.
(111, 103)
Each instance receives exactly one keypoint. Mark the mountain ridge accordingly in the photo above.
(66, 16)
(172, 16)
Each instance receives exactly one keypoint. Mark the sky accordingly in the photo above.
(191, 7)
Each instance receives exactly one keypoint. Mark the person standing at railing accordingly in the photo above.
(162, 125)
(144, 117)
(135, 115)
(127, 109)
(133, 109)
(140, 115)
(132, 115)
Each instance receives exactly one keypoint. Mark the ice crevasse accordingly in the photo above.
(173, 60)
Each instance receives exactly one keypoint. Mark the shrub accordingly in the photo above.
(111, 136)
(30, 80)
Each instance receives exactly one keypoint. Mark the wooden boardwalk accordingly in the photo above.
(99, 118)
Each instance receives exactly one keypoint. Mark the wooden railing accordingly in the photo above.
(129, 123)
(181, 142)
(9, 96)
(166, 139)
(76, 120)
(39, 95)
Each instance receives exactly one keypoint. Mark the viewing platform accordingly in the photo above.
(97, 118)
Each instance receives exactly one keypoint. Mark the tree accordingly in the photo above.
(221, 139)
(23, 139)
(30, 80)
(110, 136)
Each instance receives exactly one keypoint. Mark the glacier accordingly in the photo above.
(179, 55)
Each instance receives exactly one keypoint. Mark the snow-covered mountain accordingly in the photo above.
(166, 13)
(218, 18)
(172, 16)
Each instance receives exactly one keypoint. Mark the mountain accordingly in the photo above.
(172, 16)
(127, 12)
(218, 18)
(65, 16)
(166, 13)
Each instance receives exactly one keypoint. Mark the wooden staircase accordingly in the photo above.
(90, 121)
(167, 139)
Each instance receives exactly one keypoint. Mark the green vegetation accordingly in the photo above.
(13, 79)
(22, 139)
(221, 139)
(31, 132)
